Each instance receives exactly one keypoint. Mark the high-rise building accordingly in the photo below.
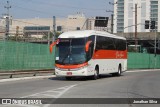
(124, 15)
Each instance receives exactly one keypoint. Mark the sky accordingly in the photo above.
(23, 9)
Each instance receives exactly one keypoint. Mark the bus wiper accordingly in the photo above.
(68, 52)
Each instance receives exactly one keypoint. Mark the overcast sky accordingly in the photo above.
(58, 8)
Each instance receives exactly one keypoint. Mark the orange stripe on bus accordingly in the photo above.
(110, 54)
(71, 66)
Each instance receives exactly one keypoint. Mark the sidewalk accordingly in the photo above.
(26, 78)
(141, 70)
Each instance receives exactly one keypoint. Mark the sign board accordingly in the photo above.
(101, 22)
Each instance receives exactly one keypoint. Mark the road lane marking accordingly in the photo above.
(54, 91)
(59, 92)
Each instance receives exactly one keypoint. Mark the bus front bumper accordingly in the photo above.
(73, 72)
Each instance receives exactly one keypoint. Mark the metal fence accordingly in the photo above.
(143, 61)
(25, 56)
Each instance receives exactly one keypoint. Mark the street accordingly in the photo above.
(138, 84)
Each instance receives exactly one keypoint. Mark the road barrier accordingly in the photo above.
(143, 61)
(25, 56)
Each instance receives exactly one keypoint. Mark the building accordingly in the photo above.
(2, 28)
(2, 32)
(39, 27)
(124, 15)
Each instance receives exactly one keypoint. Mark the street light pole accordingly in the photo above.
(7, 20)
(112, 17)
(112, 24)
(155, 48)
(54, 28)
(136, 42)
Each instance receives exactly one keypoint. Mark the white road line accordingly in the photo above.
(62, 90)
(47, 95)
(66, 88)
(54, 91)
(60, 94)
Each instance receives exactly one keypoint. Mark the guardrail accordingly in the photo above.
(34, 73)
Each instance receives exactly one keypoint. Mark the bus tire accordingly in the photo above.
(119, 71)
(68, 78)
(96, 74)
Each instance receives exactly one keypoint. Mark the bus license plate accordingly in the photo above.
(69, 73)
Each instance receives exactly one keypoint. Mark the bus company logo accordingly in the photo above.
(6, 101)
(119, 55)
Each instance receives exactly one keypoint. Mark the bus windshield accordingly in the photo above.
(71, 51)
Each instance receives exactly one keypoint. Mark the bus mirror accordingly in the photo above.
(53, 44)
(87, 46)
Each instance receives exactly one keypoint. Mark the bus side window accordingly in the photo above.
(121, 44)
(108, 43)
(98, 43)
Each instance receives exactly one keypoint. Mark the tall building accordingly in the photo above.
(124, 15)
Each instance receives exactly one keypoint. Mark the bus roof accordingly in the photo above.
(87, 33)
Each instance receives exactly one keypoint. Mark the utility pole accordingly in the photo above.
(7, 20)
(155, 48)
(112, 17)
(112, 24)
(136, 42)
(87, 24)
(54, 28)
(17, 32)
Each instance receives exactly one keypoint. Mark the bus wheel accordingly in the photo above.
(68, 78)
(119, 71)
(96, 74)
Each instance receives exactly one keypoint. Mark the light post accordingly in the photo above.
(136, 41)
(112, 16)
(7, 20)
(155, 49)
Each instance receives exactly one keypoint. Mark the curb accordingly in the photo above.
(25, 78)
(143, 70)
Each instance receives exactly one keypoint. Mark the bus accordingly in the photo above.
(89, 53)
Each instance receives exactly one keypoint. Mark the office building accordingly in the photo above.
(124, 15)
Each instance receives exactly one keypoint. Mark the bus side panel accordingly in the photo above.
(108, 65)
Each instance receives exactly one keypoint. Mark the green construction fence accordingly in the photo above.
(143, 61)
(25, 56)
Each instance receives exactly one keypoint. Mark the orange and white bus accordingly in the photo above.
(89, 53)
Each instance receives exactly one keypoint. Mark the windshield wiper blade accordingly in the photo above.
(66, 56)
(68, 53)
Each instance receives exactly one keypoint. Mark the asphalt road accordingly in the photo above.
(138, 84)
